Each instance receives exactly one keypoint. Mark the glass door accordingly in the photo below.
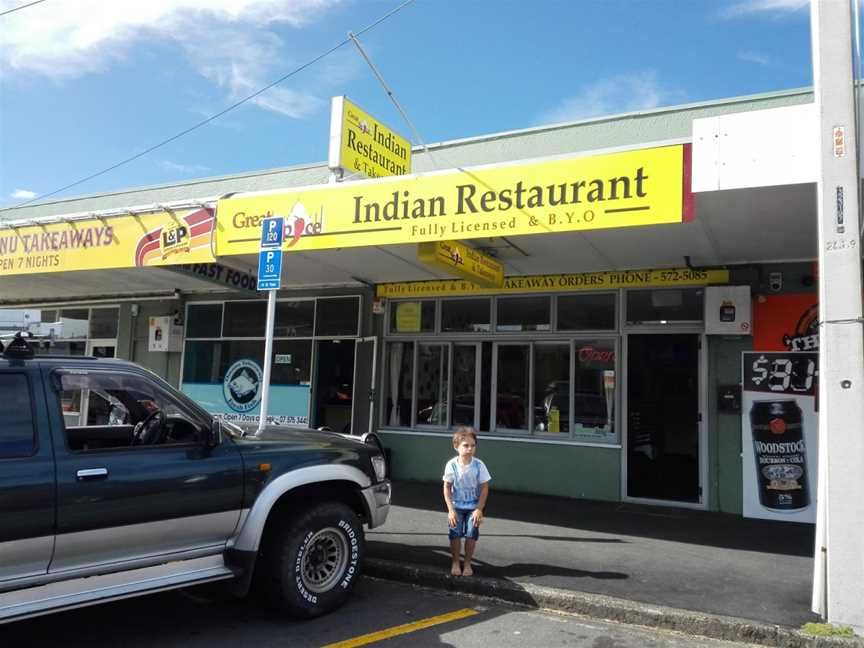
(663, 422)
(334, 385)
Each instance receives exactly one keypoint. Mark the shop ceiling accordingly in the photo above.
(761, 224)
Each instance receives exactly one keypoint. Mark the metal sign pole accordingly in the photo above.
(269, 279)
(268, 359)
(840, 512)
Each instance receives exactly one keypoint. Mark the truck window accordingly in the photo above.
(17, 433)
(116, 410)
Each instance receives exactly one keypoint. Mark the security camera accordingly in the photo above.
(775, 281)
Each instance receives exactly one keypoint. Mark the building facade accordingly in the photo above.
(607, 366)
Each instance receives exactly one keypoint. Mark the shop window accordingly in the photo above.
(73, 324)
(485, 385)
(398, 383)
(17, 436)
(523, 314)
(338, 316)
(225, 376)
(466, 315)
(665, 306)
(464, 384)
(103, 322)
(292, 362)
(589, 312)
(512, 382)
(244, 319)
(294, 318)
(412, 316)
(552, 388)
(433, 374)
(204, 320)
(594, 390)
(63, 348)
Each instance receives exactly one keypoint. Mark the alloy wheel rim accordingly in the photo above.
(324, 560)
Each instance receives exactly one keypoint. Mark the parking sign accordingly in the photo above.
(272, 232)
(269, 269)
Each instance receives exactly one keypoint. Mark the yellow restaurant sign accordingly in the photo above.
(624, 189)
(359, 143)
(155, 239)
(462, 261)
(559, 283)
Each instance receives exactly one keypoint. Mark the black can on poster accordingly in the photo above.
(781, 455)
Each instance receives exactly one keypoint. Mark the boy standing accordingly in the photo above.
(466, 487)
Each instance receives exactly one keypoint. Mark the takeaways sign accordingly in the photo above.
(155, 239)
(626, 189)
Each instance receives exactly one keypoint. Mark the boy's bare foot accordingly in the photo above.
(455, 570)
(467, 571)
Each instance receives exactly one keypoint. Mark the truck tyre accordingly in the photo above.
(314, 560)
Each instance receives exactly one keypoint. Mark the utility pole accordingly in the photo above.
(840, 510)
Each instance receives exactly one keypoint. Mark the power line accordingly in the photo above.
(29, 4)
(219, 114)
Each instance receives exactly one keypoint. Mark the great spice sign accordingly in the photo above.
(624, 189)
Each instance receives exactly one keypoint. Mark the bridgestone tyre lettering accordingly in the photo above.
(314, 560)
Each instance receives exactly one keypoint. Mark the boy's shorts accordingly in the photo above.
(464, 526)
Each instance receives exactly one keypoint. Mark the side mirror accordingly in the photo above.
(213, 436)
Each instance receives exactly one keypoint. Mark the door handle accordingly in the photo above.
(92, 473)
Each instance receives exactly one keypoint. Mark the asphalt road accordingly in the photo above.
(191, 620)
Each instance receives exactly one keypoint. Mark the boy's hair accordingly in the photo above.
(462, 433)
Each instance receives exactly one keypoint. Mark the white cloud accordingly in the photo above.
(754, 57)
(232, 43)
(764, 6)
(23, 194)
(618, 94)
(183, 169)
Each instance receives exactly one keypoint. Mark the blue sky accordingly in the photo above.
(85, 84)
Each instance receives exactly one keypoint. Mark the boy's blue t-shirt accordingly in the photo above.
(466, 481)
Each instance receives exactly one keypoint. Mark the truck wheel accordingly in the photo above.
(314, 560)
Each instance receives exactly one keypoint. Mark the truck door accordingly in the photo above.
(26, 478)
(135, 480)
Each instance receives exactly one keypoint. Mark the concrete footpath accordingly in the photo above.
(712, 574)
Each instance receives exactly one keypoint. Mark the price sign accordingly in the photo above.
(781, 373)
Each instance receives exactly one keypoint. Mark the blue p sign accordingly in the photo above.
(269, 269)
(272, 232)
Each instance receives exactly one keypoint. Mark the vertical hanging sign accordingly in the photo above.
(360, 144)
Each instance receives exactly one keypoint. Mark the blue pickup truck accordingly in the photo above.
(114, 484)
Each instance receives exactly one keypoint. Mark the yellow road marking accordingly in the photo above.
(395, 631)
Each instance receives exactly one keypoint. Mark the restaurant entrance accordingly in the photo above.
(663, 426)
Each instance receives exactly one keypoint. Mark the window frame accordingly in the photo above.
(568, 338)
(190, 413)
